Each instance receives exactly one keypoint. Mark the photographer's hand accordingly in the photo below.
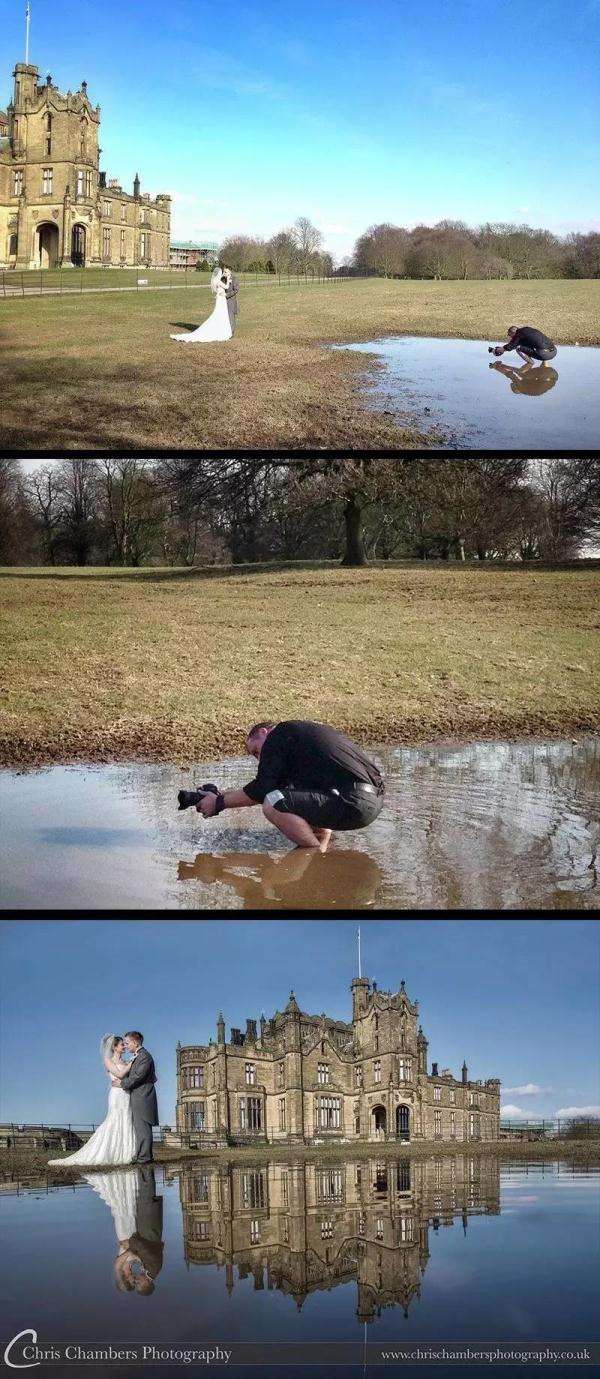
(207, 806)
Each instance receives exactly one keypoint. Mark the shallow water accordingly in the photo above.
(450, 386)
(484, 825)
(454, 1248)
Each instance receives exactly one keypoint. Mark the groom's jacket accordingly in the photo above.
(139, 1081)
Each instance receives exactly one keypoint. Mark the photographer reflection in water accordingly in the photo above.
(137, 1212)
(527, 379)
(311, 780)
(301, 879)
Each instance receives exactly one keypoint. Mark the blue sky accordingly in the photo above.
(517, 999)
(252, 114)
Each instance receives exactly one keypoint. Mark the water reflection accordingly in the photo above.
(491, 825)
(306, 1227)
(137, 1212)
(528, 380)
(297, 880)
(447, 386)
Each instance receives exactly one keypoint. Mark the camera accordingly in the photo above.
(188, 798)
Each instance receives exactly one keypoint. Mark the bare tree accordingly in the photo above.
(308, 241)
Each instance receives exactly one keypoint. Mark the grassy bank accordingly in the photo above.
(20, 1162)
(171, 665)
(100, 370)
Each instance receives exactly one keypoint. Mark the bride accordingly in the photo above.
(114, 1141)
(218, 325)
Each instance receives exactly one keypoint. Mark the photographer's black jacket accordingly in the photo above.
(309, 756)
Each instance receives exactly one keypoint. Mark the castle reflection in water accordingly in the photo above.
(305, 1226)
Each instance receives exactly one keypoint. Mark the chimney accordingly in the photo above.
(251, 1030)
(434, 1070)
(263, 1022)
(236, 1036)
(101, 179)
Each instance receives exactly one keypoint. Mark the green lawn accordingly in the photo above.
(99, 370)
(172, 665)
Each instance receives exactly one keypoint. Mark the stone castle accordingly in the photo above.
(56, 208)
(305, 1078)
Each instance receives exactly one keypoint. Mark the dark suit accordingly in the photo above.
(147, 1242)
(139, 1081)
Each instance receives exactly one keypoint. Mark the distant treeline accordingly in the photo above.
(178, 512)
(449, 250)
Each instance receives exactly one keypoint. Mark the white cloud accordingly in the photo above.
(514, 1113)
(527, 1089)
(566, 1112)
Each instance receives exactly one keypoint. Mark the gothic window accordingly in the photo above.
(192, 1078)
(122, 244)
(357, 1125)
(358, 1075)
(46, 181)
(255, 1232)
(48, 149)
(200, 1230)
(195, 1111)
(380, 1182)
(437, 1094)
(379, 1228)
(404, 1069)
(323, 1073)
(330, 1185)
(452, 1097)
(285, 1189)
(474, 1099)
(377, 1070)
(329, 1112)
(123, 211)
(453, 1125)
(12, 246)
(403, 1176)
(17, 182)
(361, 1223)
(88, 182)
(326, 1230)
(106, 207)
(251, 1113)
(199, 1187)
(280, 1074)
(376, 1043)
(437, 1124)
(49, 124)
(253, 1188)
(282, 1113)
(286, 1231)
(250, 1070)
(80, 182)
(106, 255)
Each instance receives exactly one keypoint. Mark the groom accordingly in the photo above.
(139, 1081)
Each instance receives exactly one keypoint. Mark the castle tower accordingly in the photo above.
(360, 997)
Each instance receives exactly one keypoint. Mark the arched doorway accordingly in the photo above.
(78, 246)
(403, 1122)
(47, 245)
(378, 1122)
(12, 247)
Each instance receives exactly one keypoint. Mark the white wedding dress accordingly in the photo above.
(218, 325)
(120, 1192)
(114, 1140)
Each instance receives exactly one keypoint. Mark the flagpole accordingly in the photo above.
(359, 971)
(27, 19)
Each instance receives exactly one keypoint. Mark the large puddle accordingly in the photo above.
(294, 1255)
(484, 825)
(450, 387)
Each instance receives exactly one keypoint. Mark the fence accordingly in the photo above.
(71, 282)
(574, 1128)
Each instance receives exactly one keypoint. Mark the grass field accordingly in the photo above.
(172, 665)
(17, 1162)
(100, 372)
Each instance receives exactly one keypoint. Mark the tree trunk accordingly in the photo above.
(355, 553)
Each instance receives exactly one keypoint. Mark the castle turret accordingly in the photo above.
(422, 1046)
(465, 1073)
(220, 1029)
(360, 997)
(136, 187)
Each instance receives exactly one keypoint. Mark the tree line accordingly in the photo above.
(448, 250)
(178, 512)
